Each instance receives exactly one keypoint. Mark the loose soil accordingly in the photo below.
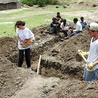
(60, 72)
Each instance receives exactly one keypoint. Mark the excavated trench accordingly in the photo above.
(58, 57)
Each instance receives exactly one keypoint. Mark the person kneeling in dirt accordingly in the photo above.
(76, 29)
(64, 27)
(91, 70)
(24, 36)
(54, 26)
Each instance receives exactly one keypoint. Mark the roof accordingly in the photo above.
(8, 1)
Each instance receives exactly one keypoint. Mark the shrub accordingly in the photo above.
(50, 1)
(41, 3)
(35, 2)
(27, 2)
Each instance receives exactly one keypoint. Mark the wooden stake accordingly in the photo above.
(38, 68)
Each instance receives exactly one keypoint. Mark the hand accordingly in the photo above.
(82, 52)
(27, 44)
(90, 66)
(21, 42)
(54, 25)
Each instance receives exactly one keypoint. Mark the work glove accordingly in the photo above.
(82, 52)
(90, 66)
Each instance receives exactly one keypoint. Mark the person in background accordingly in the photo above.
(64, 27)
(23, 36)
(91, 71)
(61, 20)
(58, 16)
(77, 27)
(54, 26)
(83, 22)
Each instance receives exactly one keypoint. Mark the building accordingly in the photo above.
(9, 4)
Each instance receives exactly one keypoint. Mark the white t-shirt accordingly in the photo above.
(24, 34)
(93, 52)
(66, 27)
(78, 26)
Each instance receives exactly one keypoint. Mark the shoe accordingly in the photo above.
(66, 38)
(30, 69)
(81, 78)
(62, 39)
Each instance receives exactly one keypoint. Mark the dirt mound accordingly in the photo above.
(11, 78)
(62, 57)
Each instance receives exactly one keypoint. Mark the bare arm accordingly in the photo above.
(95, 63)
(17, 37)
(27, 40)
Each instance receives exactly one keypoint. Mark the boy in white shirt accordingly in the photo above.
(77, 27)
(91, 71)
(64, 27)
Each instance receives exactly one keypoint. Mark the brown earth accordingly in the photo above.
(59, 74)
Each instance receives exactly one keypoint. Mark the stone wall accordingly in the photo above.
(10, 5)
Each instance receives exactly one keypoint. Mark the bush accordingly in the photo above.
(35, 2)
(41, 3)
(27, 2)
(50, 1)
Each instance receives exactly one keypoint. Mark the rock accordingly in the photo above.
(94, 5)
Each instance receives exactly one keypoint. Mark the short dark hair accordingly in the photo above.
(75, 19)
(64, 20)
(58, 12)
(81, 18)
(54, 18)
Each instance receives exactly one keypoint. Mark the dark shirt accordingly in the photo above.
(84, 24)
(58, 16)
(54, 24)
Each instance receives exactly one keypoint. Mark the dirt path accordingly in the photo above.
(36, 86)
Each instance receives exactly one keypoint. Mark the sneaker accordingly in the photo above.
(61, 39)
(30, 69)
(81, 78)
(66, 38)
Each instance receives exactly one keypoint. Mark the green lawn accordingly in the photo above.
(32, 16)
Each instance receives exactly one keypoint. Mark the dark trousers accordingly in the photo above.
(27, 57)
(65, 32)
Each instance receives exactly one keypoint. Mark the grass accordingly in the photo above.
(32, 16)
